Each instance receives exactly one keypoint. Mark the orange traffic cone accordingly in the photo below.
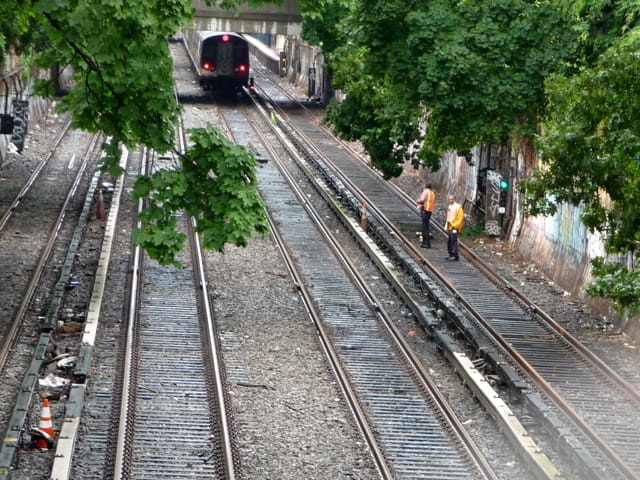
(364, 221)
(100, 206)
(44, 433)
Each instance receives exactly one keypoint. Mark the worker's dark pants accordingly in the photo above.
(452, 244)
(426, 219)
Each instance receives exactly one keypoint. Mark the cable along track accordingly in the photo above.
(411, 428)
(603, 406)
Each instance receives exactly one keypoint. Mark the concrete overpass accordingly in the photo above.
(272, 19)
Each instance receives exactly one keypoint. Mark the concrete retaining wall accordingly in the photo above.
(302, 60)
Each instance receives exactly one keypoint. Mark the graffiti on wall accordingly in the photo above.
(493, 192)
(566, 230)
(492, 216)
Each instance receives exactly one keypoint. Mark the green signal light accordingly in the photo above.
(504, 184)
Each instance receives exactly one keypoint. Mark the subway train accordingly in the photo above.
(221, 59)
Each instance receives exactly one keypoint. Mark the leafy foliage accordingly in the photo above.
(618, 283)
(15, 26)
(235, 4)
(420, 78)
(216, 184)
(123, 86)
(591, 153)
(473, 72)
(321, 20)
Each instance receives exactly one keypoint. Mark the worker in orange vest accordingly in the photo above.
(426, 205)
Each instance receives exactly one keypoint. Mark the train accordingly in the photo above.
(220, 59)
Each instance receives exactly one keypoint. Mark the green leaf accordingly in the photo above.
(215, 183)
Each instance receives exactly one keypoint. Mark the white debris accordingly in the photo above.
(53, 381)
(67, 363)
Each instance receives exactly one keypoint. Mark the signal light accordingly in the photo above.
(502, 202)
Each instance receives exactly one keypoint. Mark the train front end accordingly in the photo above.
(224, 62)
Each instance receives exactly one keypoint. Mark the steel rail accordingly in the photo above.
(18, 416)
(32, 178)
(332, 355)
(126, 394)
(537, 378)
(633, 394)
(427, 384)
(215, 354)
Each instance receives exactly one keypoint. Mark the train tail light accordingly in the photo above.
(226, 38)
(207, 66)
(242, 68)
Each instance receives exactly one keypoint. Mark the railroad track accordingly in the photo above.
(163, 414)
(52, 195)
(159, 399)
(171, 333)
(497, 320)
(17, 213)
(155, 400)
(400, 412)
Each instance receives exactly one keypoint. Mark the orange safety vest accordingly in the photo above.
(427, 200)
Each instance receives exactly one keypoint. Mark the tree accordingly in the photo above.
(321, 20)
(591, 157)
(123, 87)
(422, 78)
(226, 208)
